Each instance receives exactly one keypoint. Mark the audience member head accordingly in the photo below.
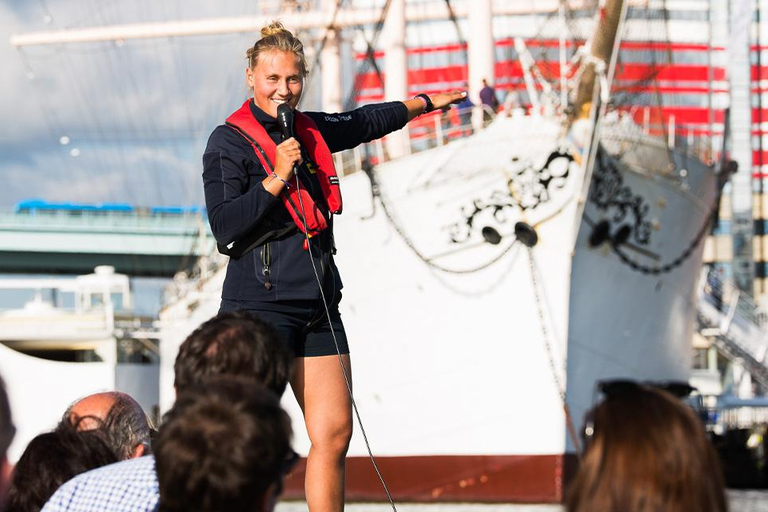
(7, 433)
(234, 344)
(646, 452)
(122, 419)
(50, 460)
(225, 445)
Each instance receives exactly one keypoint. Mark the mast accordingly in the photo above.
(603, 44)
(395, 79)
(605, 47)
(480, 51)
(331, 64)
(759, 241)
(741, 13)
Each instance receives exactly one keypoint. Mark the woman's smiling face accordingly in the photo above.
(276, 79)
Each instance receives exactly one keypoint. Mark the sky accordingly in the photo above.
(114, 122)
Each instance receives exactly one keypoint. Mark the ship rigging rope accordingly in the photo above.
(329, 29)
(370, 52)
(338, 353)
(459, 35)
(550, 353)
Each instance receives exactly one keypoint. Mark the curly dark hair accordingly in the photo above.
(221, 447)
(234, 344)
(51, 459)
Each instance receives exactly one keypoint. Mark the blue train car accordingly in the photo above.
(39, 205)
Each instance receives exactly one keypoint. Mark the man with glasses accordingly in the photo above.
(119, 416)
(231, 345)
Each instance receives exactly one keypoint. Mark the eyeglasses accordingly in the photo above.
(290, 462)
(620, 387)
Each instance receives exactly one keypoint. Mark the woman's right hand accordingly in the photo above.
(288, 155)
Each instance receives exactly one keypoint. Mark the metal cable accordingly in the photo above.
(328, 29)
(338, 351)
(550, 353)
(406, 239)
(371, 57)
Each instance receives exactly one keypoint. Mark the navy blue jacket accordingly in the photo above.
(238, 203)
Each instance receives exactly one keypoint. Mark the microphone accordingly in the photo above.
(285, 118)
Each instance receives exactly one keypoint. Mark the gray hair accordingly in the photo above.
(126, 425)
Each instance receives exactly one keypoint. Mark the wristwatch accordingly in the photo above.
(428, 105)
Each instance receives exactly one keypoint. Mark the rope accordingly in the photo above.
(370, 61)
(408, 242)
(550, 353)
(341, 359)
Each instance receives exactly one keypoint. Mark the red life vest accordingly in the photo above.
(307, 132)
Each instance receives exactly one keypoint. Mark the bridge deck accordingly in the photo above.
(135, 243)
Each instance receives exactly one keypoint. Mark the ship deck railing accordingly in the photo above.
(426, 132)
(691, 140)
(734, 322)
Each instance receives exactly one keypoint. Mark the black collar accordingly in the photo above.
(267, 121)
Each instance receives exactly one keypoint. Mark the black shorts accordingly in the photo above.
(303, 324)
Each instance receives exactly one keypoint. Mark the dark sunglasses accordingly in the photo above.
(290, 462)
(620, 387)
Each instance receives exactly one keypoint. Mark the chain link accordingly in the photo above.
(406, 239)
(687, 252)
(550, 353)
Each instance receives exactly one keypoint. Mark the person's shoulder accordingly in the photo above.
(109, 486)
(224, 136)
(131, 470)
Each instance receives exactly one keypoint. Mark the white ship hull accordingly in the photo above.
(627, 322)
(458, 390)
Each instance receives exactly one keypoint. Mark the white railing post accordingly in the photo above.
(646, 120)
(358, 158)
(379, 150)
(671, 132)
(339, 161)
(439, 129)
(725, 323)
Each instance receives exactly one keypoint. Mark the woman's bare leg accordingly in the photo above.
(320, 389)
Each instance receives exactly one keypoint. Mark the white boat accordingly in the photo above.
(490, 283)
(498, 279)
(77, 336)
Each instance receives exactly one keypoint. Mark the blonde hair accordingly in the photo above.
(275, 37)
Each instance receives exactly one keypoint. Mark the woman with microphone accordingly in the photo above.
(271, 192)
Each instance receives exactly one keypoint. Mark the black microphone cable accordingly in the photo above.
(285, 117)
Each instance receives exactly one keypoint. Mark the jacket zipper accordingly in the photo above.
(266, 261)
